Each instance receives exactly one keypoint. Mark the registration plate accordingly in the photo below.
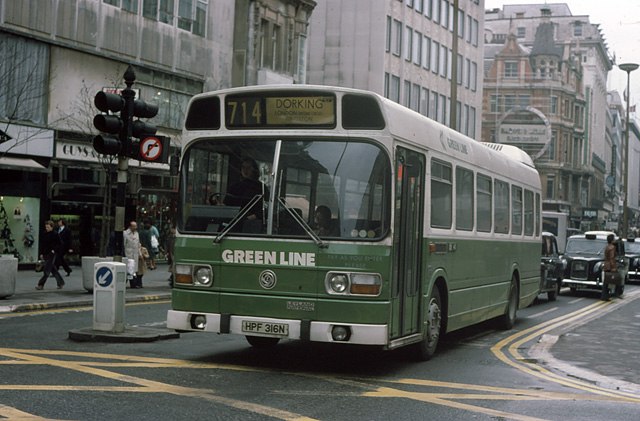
(279, 329)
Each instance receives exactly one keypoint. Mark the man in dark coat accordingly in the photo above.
(65, 239)
(50, 247)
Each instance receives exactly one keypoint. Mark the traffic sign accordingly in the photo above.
(150, 148)
(104, 276)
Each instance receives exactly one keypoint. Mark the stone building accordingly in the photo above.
(58, 54)
(547, 68)
(404, 50)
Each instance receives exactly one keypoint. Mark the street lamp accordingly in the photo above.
(626, 67)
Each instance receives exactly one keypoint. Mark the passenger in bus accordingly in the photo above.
(325, 226)
(241, 193)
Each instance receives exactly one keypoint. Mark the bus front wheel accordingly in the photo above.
(427, 347)
(262, 341)
(508, 319)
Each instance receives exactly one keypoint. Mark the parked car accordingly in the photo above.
(551, 266)
(584, 261)
(632, 251)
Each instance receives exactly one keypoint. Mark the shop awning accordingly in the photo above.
(22, 164)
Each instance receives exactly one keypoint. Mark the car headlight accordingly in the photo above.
(597, 267)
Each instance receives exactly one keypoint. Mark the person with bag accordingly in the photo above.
(133, 251)
(610, 272)
(50, 247)
(65, 239)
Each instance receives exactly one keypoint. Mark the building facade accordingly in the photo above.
(559, 73)
(405, 50)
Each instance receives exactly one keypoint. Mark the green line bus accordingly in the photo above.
(328, 214)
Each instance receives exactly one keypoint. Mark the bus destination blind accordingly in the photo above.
(270, 111)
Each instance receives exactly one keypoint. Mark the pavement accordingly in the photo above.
(156, 287)
(601, 349)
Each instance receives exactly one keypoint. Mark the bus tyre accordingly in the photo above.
(508, 319)
(262, 341)
(427, 347)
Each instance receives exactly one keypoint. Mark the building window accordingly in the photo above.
(442, 117)
(424, 102)
(460, 69)
(460, 24)
(407, 94)
(443, 60)
(417, 48)
(524, 100)
(577, 29)
(426, 52)
(511, 69)
(435, 56)
(551, 182)
(444, 13)
(415, 98)
(386, 85)
(394, 91)
(408, 38)
(521, 32)
(436, 11)
(509, 102)
(191, 14)
(397, 37)
(417, 4)
(427, 8)
(554, 105)
(472, 122)
(494, 103)
(388, 40)
(433, 106)
(474, 75)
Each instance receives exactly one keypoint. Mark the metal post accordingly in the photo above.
(453, 111)
(123, 161)
(626, 67)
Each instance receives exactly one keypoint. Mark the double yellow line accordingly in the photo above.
(507, 350)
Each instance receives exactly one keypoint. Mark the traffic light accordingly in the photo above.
(115, 126)
(118, 131)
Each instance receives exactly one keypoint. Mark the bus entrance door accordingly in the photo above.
(409, 216)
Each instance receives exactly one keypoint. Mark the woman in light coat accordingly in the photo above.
(132, 251)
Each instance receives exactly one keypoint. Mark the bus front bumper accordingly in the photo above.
(360, 334)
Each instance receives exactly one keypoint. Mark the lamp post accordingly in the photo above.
(626, 67)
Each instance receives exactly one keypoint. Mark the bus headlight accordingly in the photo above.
(365, 283)
(193, 275)
(203, 276)
(339, 283)
(353, 283)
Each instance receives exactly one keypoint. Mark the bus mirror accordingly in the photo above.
(174, 165)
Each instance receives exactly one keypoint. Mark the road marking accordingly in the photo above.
(15, 414)
(542, 313)
(515, 359)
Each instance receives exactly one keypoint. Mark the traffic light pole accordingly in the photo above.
(123, 162)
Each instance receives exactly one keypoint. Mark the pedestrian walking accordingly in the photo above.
(133, 251)
(65, 238)
(610, 269)
(50, 247)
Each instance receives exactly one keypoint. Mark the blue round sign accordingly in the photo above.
(104, 276)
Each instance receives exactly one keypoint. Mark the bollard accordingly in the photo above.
(88, 263)
(8, 273)
(110, 280)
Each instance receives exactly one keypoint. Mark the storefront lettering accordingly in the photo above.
(79, 151)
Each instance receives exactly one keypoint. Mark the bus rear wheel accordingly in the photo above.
(262, 341)
(508, 319)
(427, 347)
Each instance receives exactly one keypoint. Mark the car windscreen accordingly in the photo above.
(583, 246)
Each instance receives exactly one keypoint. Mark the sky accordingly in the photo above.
(620, 24)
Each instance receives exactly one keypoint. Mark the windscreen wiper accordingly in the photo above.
(239, 217)
(303, 224)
